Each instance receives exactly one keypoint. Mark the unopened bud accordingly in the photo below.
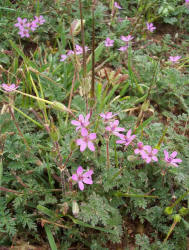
(76, 27)
(59, 106)
(75, 208)
(64, 208)
(145, 105)
(168, 210)
(177, 218)
(183, 211)
(132, 158)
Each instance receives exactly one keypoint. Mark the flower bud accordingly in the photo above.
(76, 27)
(132, 158)
(177, 218)
(145, 106)
(183, 211)
(168, 210)
(59, 106)
(64, 208)
(75, 208)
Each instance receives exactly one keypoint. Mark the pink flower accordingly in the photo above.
(32, 25)
(40, 20)
(107, 116)
(9, 87)
(63, 58)
(81, 178)
(82, 122)
(21, 22)
(79, 49)
(70, 52)
(126, 38)
(170, 159)
(174, 59)
(126, 139)
(149, 154)
(150, 27)
(113, 128)
(141, 148)
(24, 33)
(186, 1)
(123, 48)
(86, 140)
(116, 5)
(108, 42)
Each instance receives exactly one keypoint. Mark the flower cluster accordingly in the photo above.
(147, 153)
(25, 27)
(126, 39)
(114, 129)
(9, 87)
(78, 51)
(86, 138)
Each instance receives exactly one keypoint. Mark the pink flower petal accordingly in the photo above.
(148, 148)
(84, 132)
(166, 154)
(121, 136)
(102, 115)
(87, 117)
(132, 137)
(88, 181)
(81, 118)
(148, 160)
(115, 123)
(137, 151)
(75, 123)
(81, 185)
(108, 128)
(177, 160)
(79, 141)
(129, 133)
(120, 129)
(91, 146)
(88, 174)
(92, 136)
(79, 170)
(74, 177)
(174, 164)
(83, 146)
(154, 158)
(154, 151)
(120, 142)
(174, 154)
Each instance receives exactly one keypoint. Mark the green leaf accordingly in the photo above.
(46, 211)
(81, 223)
(50, 237)
(120, 194)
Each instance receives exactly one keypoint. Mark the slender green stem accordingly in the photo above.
(29, 118)
(107, 152)
(93, 53)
